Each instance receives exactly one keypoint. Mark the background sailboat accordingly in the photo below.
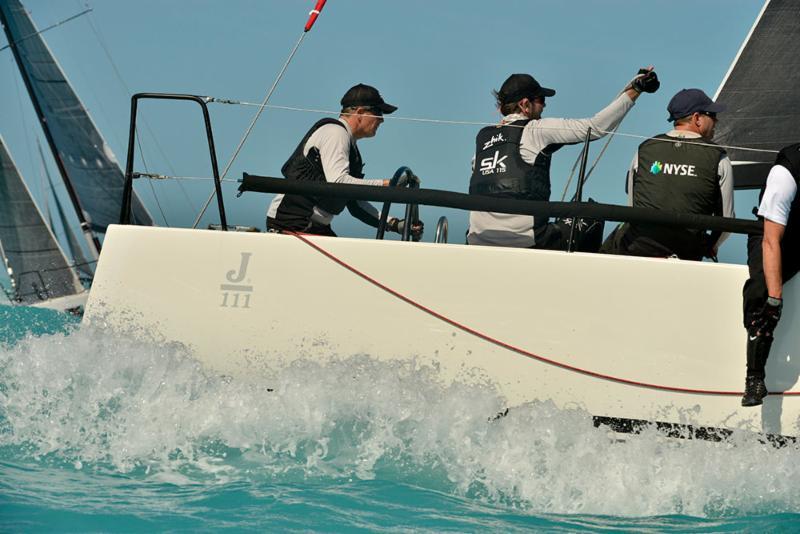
(40, 273)
(85, 162)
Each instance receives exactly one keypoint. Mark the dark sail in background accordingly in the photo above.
(762, 93)
(82, 155)
(36, 264)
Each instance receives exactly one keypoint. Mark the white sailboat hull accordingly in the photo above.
(67, 303)
(631, 338)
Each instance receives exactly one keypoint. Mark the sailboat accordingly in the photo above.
(37, 267)
(633, 341)
(85, 162)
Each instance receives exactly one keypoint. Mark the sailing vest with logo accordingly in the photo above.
(294, 212)
(501, 171)
(679, 175)
(789, 157)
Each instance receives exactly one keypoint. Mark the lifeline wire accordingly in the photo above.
(250, 128)
(478, 123)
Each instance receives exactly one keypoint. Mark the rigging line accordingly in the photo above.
(27, 129)
(252, 125)
(104, 46)
(150, 182)
(73, 17)
(596, 160)
(481, 123)
(571, 175)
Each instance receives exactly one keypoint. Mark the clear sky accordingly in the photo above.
(432, 58)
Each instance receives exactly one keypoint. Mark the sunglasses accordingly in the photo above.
(375, 111)
(710, 114)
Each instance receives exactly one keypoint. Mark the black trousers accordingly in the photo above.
(654, 242)
(754, 292)
(555, 235)
(311, 228)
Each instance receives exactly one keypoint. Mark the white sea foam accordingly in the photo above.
(109, 403)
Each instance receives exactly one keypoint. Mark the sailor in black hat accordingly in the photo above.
(328, 152)
(683, 171)
(512, 159)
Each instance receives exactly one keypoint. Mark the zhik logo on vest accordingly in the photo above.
(493, 164)
(673, 168)
(495, 139)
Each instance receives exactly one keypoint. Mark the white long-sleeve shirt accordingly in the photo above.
(334, 144)
(506, 230)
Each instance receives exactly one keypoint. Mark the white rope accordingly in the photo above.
(481, 123)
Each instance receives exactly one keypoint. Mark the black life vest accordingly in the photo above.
(294, 212)
(680, 175)
(499, 169)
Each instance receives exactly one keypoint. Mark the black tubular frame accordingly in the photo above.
(125, 213)
(412, 210)
(463, 201)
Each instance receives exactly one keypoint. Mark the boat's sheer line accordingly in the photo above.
(508, 346)
(481, 123)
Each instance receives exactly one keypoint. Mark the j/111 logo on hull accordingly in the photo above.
(235, 294)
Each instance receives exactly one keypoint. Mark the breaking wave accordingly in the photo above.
(125, 412)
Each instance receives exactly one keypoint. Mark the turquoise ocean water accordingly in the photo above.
(103, 433)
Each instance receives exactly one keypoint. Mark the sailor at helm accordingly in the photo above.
(512, 159)
(682, 171)
(773, 259)
(328, 152)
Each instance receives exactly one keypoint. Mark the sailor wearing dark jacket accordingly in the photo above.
(512, 159)
(682, 171)
(329, 152)
(773, 259)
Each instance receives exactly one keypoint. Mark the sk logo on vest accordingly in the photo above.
(493, 164)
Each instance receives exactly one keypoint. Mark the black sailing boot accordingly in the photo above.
(754, 391)
(757, 353)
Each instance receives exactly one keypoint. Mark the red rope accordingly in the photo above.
(514, 348)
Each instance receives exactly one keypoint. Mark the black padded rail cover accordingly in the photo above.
(762, 93)
(449, 199)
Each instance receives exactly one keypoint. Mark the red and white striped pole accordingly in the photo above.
(312, 16)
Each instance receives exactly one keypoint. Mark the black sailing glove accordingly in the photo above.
(398, 225)
(646, 81)
(767, 319)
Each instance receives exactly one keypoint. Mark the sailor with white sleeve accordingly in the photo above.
(773, 259)
(329, 152)
(512, 159)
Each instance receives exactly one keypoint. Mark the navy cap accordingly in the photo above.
(688, 101)
(519, 86)
(367, 96)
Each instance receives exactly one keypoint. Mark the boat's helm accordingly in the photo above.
(403, 177)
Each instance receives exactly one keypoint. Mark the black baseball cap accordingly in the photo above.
(367, 96)
(518, 86)
(688, 101)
